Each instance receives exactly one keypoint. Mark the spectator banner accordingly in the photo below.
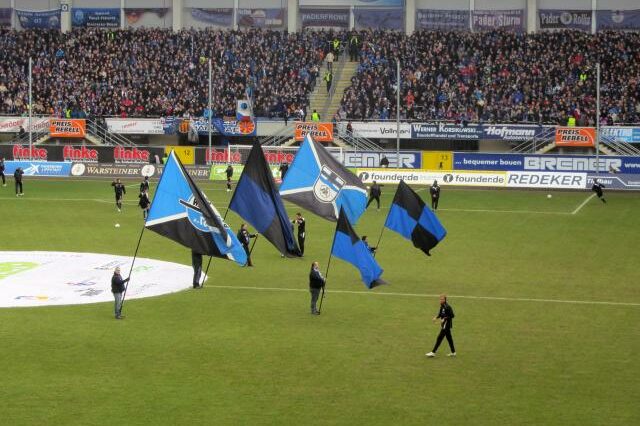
(221, 16)
(407, 159)
(233, 127)
(381, 130)
(367, 3)
(618, 19)
(134, 15)
(491, 179)
(324, 18)
(491, 20)
(39, 168)
(320, 132)
(438, 19)
(5, 17)
(555, 180)
(615, 181)
(139, 126)
(379, 19)
(445, 131)
(547, 162)
(575, 136)
(553, 19)
(95, 18)
(13, 124)
(621, 134)
(47, 19)
(262, 18)
(67, 128)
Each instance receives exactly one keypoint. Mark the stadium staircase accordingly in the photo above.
(327, 104)
(539, 144)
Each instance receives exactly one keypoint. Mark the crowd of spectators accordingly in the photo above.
(498, 76)
(156, 72)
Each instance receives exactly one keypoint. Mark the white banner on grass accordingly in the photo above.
(40, 278)
(139, 126)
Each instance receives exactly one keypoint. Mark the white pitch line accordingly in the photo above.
(374, 293)
(503, 211)
(584, 203)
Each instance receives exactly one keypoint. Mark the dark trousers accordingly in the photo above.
(196, 260)
(374, 197)
(315, 294)
(301, 243)
(4, 180)
(228, 183)
(434, 203)
(18, 187)
(445, 332)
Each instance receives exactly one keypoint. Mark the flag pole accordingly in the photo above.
(207, 271)
(255, 240)
(326, 274)
(379, 238)
(124, 294)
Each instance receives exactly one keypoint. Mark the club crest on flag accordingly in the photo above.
(194, 214)
(328, 185)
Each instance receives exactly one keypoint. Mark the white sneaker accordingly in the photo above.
(119, 210)
(452, 354)
(431, 354)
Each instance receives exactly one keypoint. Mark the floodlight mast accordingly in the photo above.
(398, 113)
(598, 119)
(30, 110)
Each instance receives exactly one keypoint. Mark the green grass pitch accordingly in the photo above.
(245, 350)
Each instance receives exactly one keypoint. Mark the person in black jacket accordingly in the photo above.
(302, 224)
(435, 195)
(4, 180)
(144, 185)
(445, 315)
(17, 175)
(366, 244)
(284, 168)
(245, 238)
(119, 190)
(118, 288)
(374, 194)
(597, 188)
(229, 172)
(196, 261)
(144, 203)
(316, 283)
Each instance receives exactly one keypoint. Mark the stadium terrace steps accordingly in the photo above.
(348, 70)
(320, 100)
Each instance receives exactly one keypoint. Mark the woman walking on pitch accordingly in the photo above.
(445, 315)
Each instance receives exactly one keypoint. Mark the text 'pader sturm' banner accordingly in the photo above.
(44, 19)
(95, 18)
(491, 20)
(618, 19)
(337, 18)
(437, 19)
(553, 19)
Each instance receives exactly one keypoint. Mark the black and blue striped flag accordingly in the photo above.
(256, 200)
(413, 220)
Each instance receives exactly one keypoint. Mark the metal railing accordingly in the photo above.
(356, 142)
(281, 136)
(536, 143)
(100, 131)
(619, 147)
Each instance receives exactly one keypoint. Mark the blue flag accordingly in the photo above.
(181, 212)
(413, 220)
(350, 248)
(257, 201)
(316, 181)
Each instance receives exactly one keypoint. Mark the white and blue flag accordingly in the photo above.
(181, 212)
(316, 181)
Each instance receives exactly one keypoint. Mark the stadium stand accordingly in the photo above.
(497, 77)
